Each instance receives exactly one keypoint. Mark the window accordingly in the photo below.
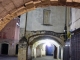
(46, 17)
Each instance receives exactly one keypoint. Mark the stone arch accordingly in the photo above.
(13, 9)
(43, 43)
(23, 49)
(39, 37)
(59, 42)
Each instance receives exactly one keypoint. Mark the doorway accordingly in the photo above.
(4, 49)
(50, 50)
(17, 49)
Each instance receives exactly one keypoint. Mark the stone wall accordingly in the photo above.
(23, 49)
(11, 47)
(35, 19)
(10, 35)
(11, 31)
(56, 20)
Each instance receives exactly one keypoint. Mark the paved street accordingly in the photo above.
(45, 58)
(15, 58)
(8, 58)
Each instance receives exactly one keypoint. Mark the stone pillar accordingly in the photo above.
(41, 52)
(34, 52)
(38, 51)
(61, 53)
(11, 49)
(30, 52)
(58, 53)
(42, 48)
(23, 49)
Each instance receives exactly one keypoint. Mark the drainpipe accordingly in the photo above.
(25, 25)
(25, 36)
(65, 28)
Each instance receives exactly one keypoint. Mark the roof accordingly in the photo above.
(12, 8)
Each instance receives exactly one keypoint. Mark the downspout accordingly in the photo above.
(25, 37)
(65, 28)
(25, 25)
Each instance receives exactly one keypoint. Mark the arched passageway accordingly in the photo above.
(43, 47)
(30, 5)
(37, 48)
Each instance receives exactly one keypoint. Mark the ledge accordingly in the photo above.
(47, 24)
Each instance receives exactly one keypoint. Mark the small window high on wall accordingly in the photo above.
(46, 17)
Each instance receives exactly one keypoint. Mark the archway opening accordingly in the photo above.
(49, 49)
(46, 48)
(4, 49)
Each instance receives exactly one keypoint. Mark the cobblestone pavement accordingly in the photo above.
(15, 58)
(8, 58)
(45, 58)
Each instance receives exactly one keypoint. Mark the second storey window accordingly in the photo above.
(46, 17)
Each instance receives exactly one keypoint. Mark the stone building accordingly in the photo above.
(33, 30)
(49, 24)
(9, 38)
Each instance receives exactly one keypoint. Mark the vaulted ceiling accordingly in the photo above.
(13, 8)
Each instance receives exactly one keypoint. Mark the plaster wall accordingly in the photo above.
(35, 19)
(11, 31)
(10, 36)
(75, 19)
(22, 20)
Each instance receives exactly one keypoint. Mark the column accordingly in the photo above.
(12, 49)
(61, 53)
(41, 52)
(23, 51)
(30, 52)
(58, 53)
(34, 52)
